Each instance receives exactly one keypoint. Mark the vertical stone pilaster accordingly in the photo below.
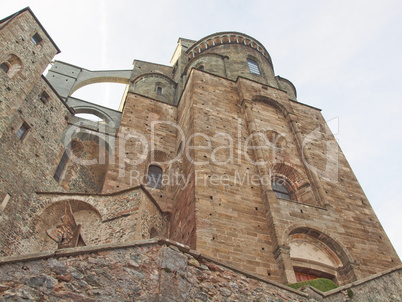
(282, 255)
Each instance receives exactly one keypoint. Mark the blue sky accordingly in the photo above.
(343, 57)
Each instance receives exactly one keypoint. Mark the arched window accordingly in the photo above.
(11, 66)
(159, 90)
(154, 177)
(4, 67)
(153, 233)
(253, 67)
(282, 188)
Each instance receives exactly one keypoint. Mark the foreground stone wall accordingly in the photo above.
(159, 270)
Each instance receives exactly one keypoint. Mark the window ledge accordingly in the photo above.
(304, 204)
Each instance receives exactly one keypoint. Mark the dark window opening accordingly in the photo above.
(36, 38)
(44, 97)
(154, 177)
(253, 67)
(282, 188)
(22, 132)
(4, 67)
(180, 149)
(153, 233)
(159, 90)
(61, 166)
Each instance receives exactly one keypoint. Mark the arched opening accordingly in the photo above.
(316, 255)
(11, 66)
(89, 116)
(312, 259)
(154, 179)
(105, 94)
(297, 185)
(84, 214)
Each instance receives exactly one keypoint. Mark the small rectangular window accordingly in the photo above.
(36, 38)
(22, 132)
(44, 97)
(4, 202)
(4, 67)
(159, 90)
(61, 166)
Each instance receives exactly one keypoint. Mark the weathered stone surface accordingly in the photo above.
(173, 261)
(225, 136)
(164, 274)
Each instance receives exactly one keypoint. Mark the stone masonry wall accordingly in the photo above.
(15, 40)
(135, 142)
(230, 214)
(183, 221)
(343, 213)
(108, 218)
(153, 271)
(27, 165)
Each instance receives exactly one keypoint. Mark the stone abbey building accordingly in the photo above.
(210, 159)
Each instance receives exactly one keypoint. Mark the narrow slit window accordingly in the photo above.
(154, 177)
(22, 132)
(61, 166)
(44, 97)
(253, 67)
(4, 202)
(180, 149)
(4, 67)
(36, 38)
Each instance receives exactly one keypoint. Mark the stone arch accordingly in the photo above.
(85, 214)
(300, 185)
(212, 62)
(95, 111)
(145, 85)
(292, 174)
(87, 77)
(13, 64)
(84, 135)
(273, 103)
(318, 253)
